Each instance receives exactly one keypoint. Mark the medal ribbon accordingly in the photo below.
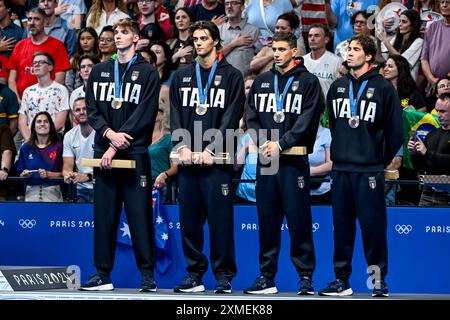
(117, 84)
(202, 93)
(280, 99)
(354, 102)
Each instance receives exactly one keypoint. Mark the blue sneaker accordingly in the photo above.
(190, 284)
(262, 285)
(337, 288)
(148, 283)
(380, 289)
(305, 287)
(98, 282)
(223, 285)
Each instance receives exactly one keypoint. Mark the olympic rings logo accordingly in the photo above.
(315, 227)
(27, 223)
(403, 228)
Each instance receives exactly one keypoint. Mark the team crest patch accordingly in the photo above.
(295, 85)
(370, 93)
(134, 75)
(340, 90)
(372, 183)
(301, 182)
(217, 80)
(225, 189)
(143, 182)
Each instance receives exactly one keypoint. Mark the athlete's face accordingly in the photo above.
(443, 113)
(203, 42)
(79, 111)
(283, 54)
(356, 55)
(124, 38)
(390, 70)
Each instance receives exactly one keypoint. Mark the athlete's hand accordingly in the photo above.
(207, 158)
(184, 156)
(106, 162)
(119, 139)
(271, 150)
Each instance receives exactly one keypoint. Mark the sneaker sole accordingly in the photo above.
(190, 290)
(307, 293)
(344, 293)
(148, 290)
(103, 287)
(272, 290)
(380, 295)
(222, 291)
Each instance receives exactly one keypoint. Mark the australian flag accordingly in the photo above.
(161, 226)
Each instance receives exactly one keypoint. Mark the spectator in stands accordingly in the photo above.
(239, 38)
(159, 151)
(359, 23)
(78, 144)
(10, 35)
(212, 10)
(9, 108)
(246, 154)
(263, 61)
(105, 13)
(106, 43)
(7, 153)
(182, 46)
(436, 48)
(397, 71)
(425, 6)
(339, 13)
(85, 65)
(148, 55)
(442, 85)
(20, 64)
(311, 12)
(320, 165)
(41, 158)
(434, 153)
(57, 27)
(264, 14)
(321, 62)
(407, 41)
(163, 61)
(149, 27)
(72, 12)
(47, 95)
(87, 43)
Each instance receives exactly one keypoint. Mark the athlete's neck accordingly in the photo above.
(359, 71)
(208, 61)
(285, 69)
(126, 55)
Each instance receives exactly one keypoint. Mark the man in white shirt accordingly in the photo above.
(46, 95)
(78, 144)
(320, 62)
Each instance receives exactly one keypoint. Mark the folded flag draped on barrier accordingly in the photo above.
(161, 226)
(421, 122)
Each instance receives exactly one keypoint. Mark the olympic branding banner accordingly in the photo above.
(41, 234)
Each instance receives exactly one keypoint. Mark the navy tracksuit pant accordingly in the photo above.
(359, 196)
(132, 189)
(205, 195)
(285, 193)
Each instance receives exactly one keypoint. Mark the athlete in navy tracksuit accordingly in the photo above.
(365, 140)
(287, 191)
(123, 131)
(205, 192)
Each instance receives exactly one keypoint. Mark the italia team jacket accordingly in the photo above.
(373, 144)
(225, 101)
(136, 116)
(302, 107)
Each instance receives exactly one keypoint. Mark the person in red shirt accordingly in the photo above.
(21, 62)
